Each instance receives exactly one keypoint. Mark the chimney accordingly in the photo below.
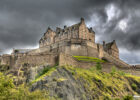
(113, 41)
(103, 43)
(82, 20)
(90, 28)
(49, 29)
(65, 26)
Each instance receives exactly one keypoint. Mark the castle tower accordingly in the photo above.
(111, 48)
(76, 31)
(86, 33)
(48, 38)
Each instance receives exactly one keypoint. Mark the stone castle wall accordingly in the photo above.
(115, 51)
(77, 31)
(31, 60)
(37, 60)
(65, 59)
(137, 66)
(111, 58)
(71, 47)
(116, 61)
(6, 59)
(107, 66)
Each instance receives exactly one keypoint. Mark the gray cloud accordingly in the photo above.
(23, 22)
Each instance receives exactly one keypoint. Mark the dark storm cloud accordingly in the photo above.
(129, 13)
(23, 22)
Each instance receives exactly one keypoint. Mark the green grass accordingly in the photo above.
(134, 86)
(88, 59)
(45, 72)
(9, 91)
(105, 84)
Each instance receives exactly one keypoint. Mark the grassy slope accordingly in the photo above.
(104, 85)
(88, 59)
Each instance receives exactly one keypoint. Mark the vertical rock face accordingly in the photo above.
(78, 84)
(62, 84)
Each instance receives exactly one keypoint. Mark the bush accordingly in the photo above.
(8, 91)
(106, 98)
(45, 70)
(4, 68)
(122, 73)
(134, 86)
(113, 70)
(128, 97)
(98, 66)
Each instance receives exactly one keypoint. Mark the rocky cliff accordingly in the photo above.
(72, 83)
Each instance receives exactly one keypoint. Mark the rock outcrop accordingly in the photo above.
(70, 83)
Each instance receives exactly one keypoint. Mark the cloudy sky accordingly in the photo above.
(23, 22)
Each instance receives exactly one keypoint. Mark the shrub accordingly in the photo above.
(4, 68)
(122, 73)
(98, 66)
(128, 97)
(134, 86)
(8, 91)
(106, 98)
(113, 70)
(45, 70)
(92, 68)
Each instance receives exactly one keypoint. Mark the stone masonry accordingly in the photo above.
(77, 40)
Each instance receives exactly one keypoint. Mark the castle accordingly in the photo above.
(60, 45)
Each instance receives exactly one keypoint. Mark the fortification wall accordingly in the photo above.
(81, 50)
(107, 66)
(116, 61)
(115, 53)
(31, 60)
(65, 59)
(71, 47)
(40, 50)
(137, 66)
(6, 59)
(37, 60)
